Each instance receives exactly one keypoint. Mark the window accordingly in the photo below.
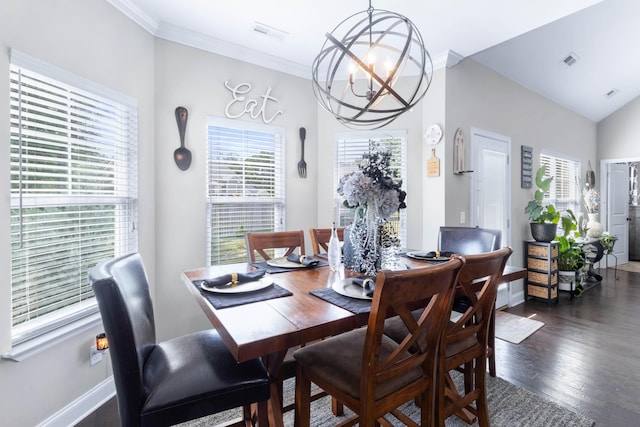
(565, 187)
(245, 186)
(349, 149)
(73, 191)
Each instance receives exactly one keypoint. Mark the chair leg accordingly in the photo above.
(302, 416)
(491, 354)
(263, 414)
(481, 402)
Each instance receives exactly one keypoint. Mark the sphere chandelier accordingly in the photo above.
(372, 68)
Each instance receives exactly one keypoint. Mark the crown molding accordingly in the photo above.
(201, 41)
(136, 14)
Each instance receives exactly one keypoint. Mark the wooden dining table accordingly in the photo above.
(269, 328)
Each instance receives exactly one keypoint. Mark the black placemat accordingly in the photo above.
(274, 269)
(354, 305)
(219, 301)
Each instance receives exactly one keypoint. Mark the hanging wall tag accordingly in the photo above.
(433, 164)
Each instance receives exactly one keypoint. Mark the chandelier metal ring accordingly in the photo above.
(372, 68)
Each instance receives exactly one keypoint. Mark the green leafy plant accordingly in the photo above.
(570, 255)
(607, 241)
(539, 212)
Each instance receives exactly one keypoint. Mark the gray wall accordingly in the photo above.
(92, 39)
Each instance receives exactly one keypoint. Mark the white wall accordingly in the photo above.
(195, 80)
(480, 98)
(89, 38)
(618, 134)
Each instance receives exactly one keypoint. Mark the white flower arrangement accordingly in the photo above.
(374, 185)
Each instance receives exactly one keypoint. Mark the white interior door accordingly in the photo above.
(490, 182)
(618, 209)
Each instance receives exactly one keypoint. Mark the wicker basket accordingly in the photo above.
(542, 292)
(541, 264)
(543, 278)
(540, 250)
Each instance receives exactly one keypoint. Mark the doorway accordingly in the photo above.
(491, 182)
(615, 205)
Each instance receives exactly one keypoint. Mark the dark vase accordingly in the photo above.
(543, 232)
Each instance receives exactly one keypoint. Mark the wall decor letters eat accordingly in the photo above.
(241, 104)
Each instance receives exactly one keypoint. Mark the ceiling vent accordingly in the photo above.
(270, 31)
(570, 59)
(611, 93)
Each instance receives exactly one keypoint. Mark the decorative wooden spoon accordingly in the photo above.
(182, 155)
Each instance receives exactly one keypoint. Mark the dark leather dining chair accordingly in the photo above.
(320, 238)
(468, 240)
(369, 372)
(169, 382)
(471, 241)
(262, 242)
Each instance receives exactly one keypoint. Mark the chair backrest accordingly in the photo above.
(260, 242)
(122, 291)
(468, 240)
(320, 238)
(478, 283)
(427, 291)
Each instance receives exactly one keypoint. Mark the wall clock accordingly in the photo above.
(433, 135)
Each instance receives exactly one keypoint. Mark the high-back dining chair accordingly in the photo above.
(320, 238)
(369, 372)
(466, 340)
(261, 242)
(471, 241)
(468, 240)
(166, 383)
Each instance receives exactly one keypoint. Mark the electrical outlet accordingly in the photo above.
(95, 356)
(463, 217)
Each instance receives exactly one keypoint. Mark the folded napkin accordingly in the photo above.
(434, 254)
(234, 278)
(368, 283)
(303, 259)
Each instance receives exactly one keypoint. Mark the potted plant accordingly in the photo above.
(543, 219)
(570, 254)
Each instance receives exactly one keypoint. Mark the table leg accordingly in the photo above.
(273, 363)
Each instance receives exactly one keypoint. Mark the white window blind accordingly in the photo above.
(245, 186)
(565, 187)
(73, 193)
(349, 150)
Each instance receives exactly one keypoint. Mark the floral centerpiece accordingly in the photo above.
(374, 192)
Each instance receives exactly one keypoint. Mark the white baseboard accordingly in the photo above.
(80, 408)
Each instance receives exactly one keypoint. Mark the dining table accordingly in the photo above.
(292, 307)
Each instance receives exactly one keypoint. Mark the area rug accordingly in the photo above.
(509, 406)
(632, 266)
(515, 329)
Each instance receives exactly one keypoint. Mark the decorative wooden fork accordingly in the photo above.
(302, 165)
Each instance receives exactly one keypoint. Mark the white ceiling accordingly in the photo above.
(525, 41)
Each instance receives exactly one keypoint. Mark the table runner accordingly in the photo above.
(274, 269)
(219, 301)
(354, 305)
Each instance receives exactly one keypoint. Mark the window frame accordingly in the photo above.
(63, 321)
(277, 201)
(561, 184)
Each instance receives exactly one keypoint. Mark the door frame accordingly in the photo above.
(604, 185)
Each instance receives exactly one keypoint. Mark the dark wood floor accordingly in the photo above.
(585, 357)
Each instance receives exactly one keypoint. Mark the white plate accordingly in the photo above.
(284, 263)
(348, 289)
(423, 256)
(264, 282)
